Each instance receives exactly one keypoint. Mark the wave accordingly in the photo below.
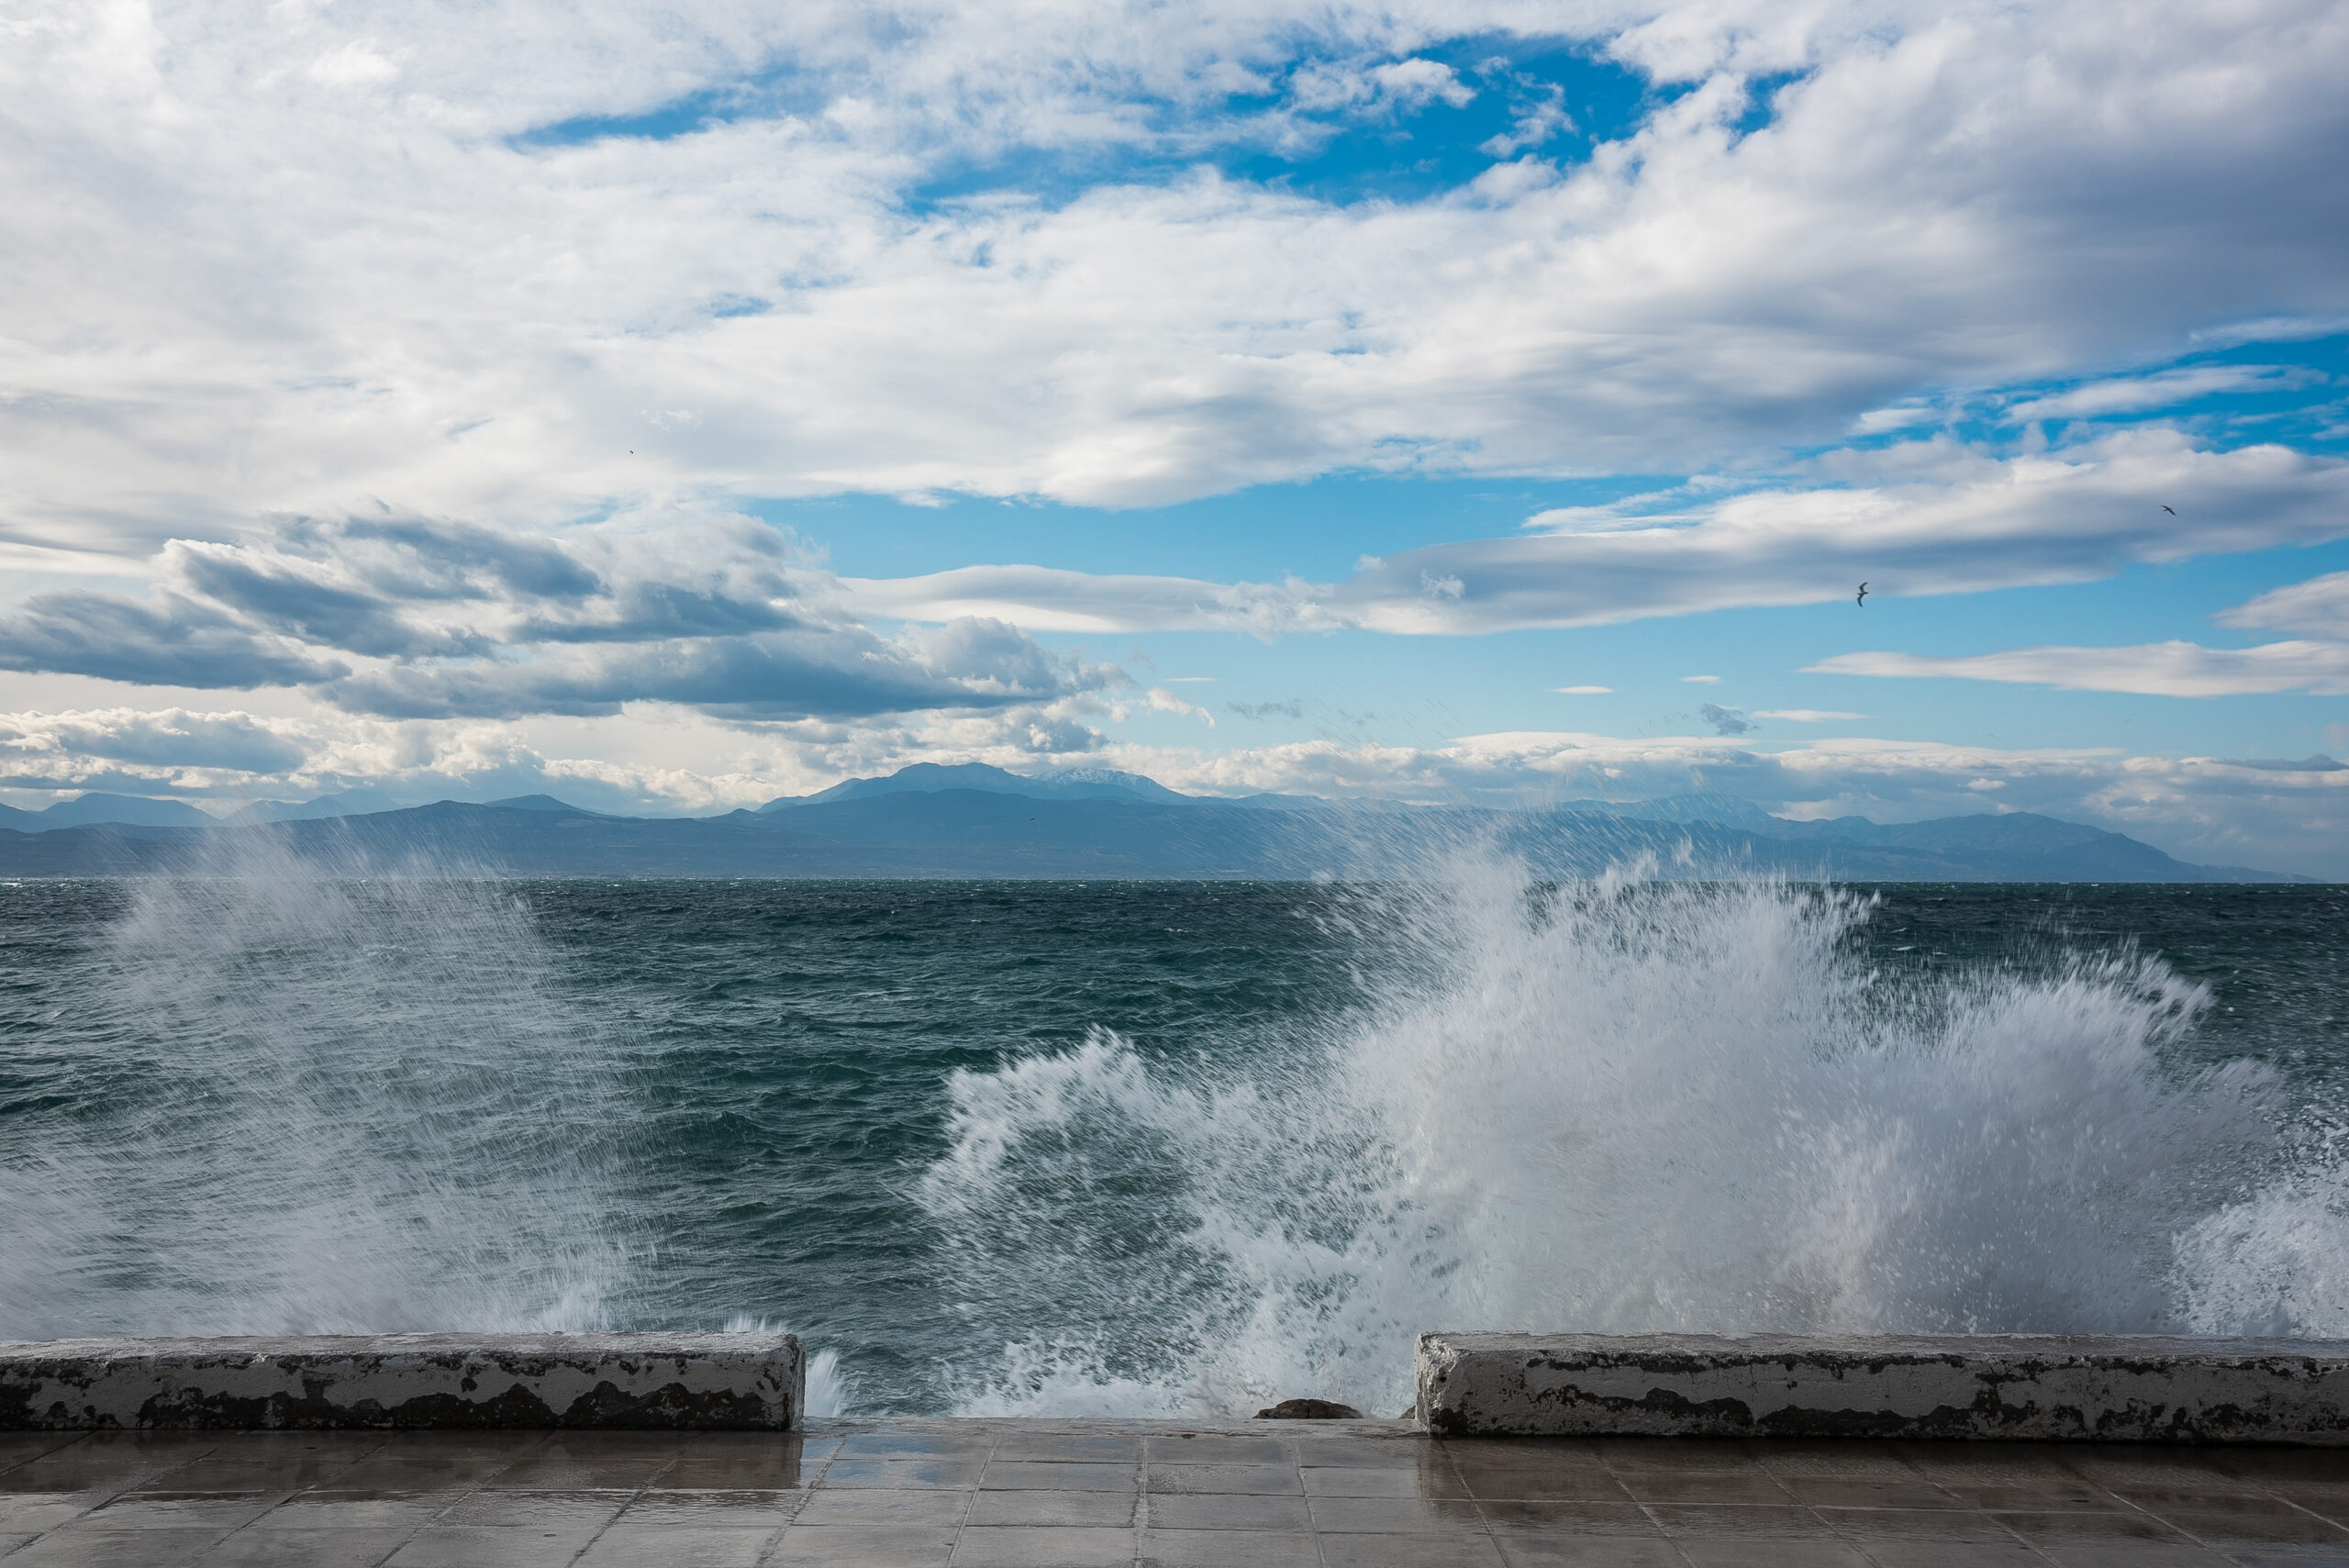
(1628, 1104)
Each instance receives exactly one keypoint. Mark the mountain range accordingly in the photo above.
(973, 820)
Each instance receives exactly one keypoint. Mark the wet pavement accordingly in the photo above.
(926, 1493)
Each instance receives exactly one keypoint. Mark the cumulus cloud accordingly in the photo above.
(697, 254)
(418, 618)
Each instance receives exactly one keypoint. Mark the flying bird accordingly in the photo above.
(2171, 510)
(1863, 594)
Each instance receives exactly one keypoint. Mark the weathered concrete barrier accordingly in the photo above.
(2090, 1387)
(716, 1381)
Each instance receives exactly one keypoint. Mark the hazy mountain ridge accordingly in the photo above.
(991, 823)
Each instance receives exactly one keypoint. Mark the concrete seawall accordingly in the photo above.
(2041, 1387)
(713, 1382)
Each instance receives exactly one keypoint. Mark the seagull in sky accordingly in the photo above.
(1863, 594)
(2171, 510)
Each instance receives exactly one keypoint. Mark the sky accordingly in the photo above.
(673, 407)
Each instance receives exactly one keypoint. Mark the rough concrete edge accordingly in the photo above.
(1993, 1361)
(676, 1382)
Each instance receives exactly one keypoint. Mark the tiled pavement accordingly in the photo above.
(919, 1493)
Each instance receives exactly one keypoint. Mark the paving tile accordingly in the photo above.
(664, 1546)
(591, 1461)
(273, 1462)
(1372, 1453)
(354, 1510)
(1563, 1518)
(1753, 1488)
(973, 1445)
(21, 1448)
(1228, 1549)
(1196, 1478)
(1594, 1485)
(1525, 1453)
(2130, 1554)
(1211, 1448)
(1076, 1446)
(105, 1462)
(715, 1510)
(878, 1504)
(1230, 1510)
(2057, 1496)
(1871, 1525)
(1836, 1492)
(1394, 1515)
(1045, 1546)
(581, 1512)
(2270, 1527)
(2041, 1528)
(408, 1471)
(10, 1541)
(1723, 1522)
(332, 1548)
(1678, 1453)
(2328, 1498)
(2289, 1557)
(1840, 1458)
(1093, 1508)
(32, 1512)
(1058, 1475)
(742, 1461)
(178, 1510)
(1455, 1551)
(864, 1546)
(1359, 1480)
(901, 1475)
(1953, 1554)
(77, 1547)
(1589, 1552)
(1771, 1555)
(489, 1546)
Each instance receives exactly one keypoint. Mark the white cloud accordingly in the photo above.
(2174, 669)
(1701, 680)
(242, 289)
(2126, 395)
(2319, 606)
(1929, 518)
(1807, 715)
(1582, 691)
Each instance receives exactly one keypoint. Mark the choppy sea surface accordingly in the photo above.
(1160, 1148)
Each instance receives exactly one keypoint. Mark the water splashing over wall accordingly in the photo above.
(294, 1102)
(1623, 1104)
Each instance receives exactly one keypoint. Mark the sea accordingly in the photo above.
(1167, 1149)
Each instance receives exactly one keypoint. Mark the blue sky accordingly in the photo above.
(1256, 395)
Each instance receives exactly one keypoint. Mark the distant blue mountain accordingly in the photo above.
(350, 803)
(129, 810)
(928, 778)
(977, 821)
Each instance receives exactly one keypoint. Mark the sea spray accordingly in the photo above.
(1624, 1104)
(297, 1102)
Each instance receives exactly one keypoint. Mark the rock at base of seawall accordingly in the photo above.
(1308, 1410)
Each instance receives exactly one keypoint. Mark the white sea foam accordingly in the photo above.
(266, 1122)
(1628, 1104)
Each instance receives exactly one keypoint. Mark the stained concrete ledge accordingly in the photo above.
(715, 1382)
(2041, 1387)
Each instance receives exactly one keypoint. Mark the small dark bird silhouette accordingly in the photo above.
(1863, 594)
(2171, 510)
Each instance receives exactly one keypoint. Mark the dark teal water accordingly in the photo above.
(1152, 1147)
